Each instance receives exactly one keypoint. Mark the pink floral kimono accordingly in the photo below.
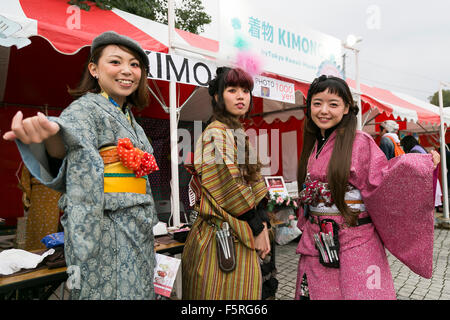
(398, 197)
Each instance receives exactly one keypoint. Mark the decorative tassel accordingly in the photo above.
(192, 197)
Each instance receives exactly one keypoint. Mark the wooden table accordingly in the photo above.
(48, 280)
(172, 247)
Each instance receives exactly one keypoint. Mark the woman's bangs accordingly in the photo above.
(239, 78)
(333, 87)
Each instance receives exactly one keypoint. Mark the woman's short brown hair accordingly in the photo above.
(139, 98)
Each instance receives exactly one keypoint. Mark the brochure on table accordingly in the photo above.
(165, 274)
(276, 185)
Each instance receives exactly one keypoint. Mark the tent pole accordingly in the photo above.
(162, 104)
(426, 131)
(189, 98)
(175, 197)
(443, 154)
(369, 113)
(358, 88)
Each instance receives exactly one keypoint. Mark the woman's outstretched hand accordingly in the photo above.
(37, 129)
(34, 129)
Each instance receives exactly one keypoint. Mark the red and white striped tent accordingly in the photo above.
(418, 116)
(69, 28)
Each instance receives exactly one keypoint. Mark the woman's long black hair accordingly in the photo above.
(339, 166)
(409, 142)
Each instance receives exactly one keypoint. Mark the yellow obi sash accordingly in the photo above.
(117, 178)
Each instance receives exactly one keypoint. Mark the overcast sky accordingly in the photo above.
(405, 47)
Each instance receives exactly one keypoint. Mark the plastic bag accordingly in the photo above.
(285, 234)
(53, 240)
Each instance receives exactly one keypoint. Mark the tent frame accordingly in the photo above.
(443, 153)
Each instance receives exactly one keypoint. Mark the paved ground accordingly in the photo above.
(408, 285)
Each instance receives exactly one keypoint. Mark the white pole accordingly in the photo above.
(443, 154)
(175, 198)
(349, 44)
(358, 88)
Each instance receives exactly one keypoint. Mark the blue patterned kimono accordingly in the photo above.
(108, 236)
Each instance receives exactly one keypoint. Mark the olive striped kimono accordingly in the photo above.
(222, 195)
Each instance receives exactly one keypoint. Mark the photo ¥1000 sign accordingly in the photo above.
(169, 67)
(273, 89)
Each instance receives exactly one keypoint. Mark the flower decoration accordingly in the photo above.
(142, 163)
(276, 201)
(314, 192)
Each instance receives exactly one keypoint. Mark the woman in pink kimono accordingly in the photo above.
(356, 203)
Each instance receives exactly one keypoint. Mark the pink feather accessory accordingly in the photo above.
(249, 62)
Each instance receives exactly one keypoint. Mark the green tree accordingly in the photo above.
(190, 15)
(434, 99)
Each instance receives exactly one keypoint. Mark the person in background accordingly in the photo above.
(229, 191)
(41, 205)
(390, 142)
(447, 159)
(411, 145)
(353, 208)
(104, 158)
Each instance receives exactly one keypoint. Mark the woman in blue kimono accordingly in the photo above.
(109, 211)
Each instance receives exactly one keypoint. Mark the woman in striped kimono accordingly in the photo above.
(229, 189)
